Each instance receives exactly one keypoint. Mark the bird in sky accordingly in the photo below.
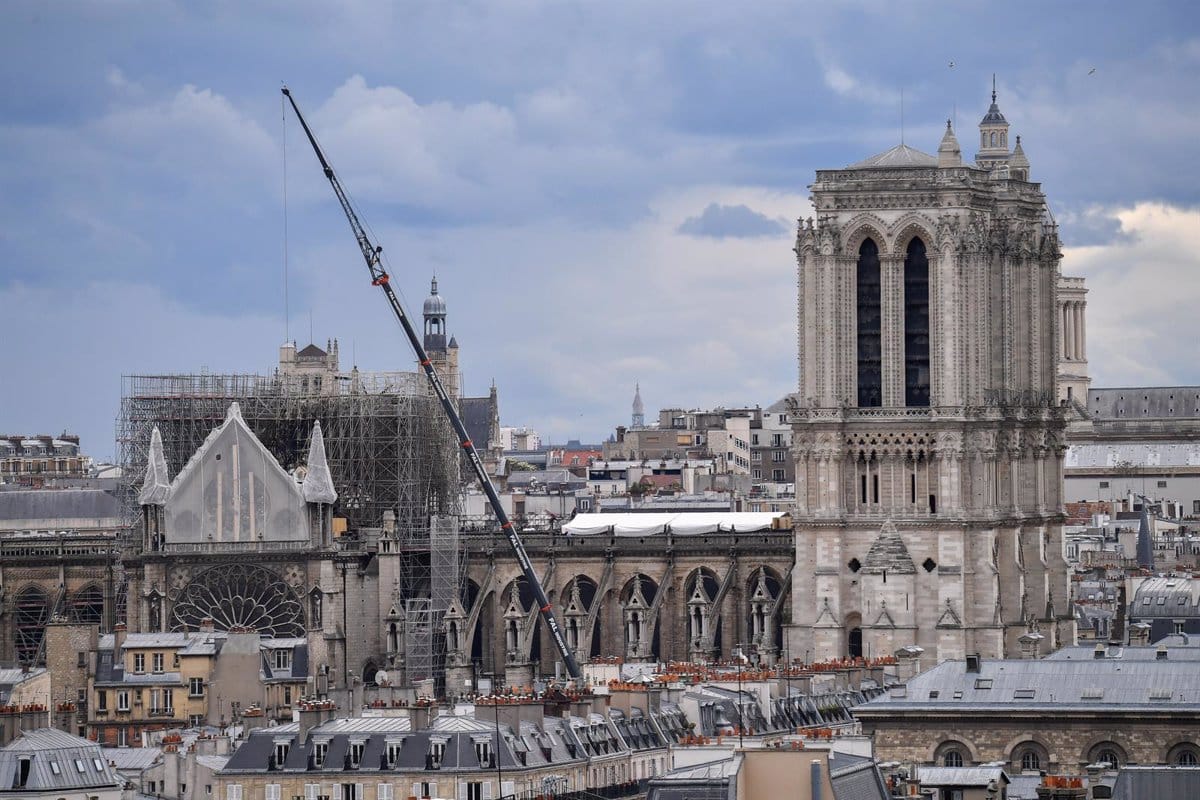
(1092, 71)
(951, 65)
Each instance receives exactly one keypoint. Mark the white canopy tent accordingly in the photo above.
(679, 524)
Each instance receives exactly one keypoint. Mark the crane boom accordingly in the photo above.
(379, 277)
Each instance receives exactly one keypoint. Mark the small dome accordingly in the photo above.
(993, 116)
(435, 306)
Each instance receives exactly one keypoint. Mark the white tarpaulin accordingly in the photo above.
(681, 524)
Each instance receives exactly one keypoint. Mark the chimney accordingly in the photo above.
(1161, 653)
(311, 714)
(119, 637)
(1100, 651)
(207, 625)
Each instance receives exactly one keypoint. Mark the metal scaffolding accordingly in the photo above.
(387, 442)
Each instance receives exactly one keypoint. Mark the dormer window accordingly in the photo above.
(281, 754)
(483, 752)
(356, 752)
(319, 751)
(283, 659)
(393, 752)
(437, 751)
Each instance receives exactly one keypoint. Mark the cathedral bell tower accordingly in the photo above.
(443, 353)
(927, 433)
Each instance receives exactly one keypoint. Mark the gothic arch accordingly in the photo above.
(468, 595)
(31, 612)
(852, 624)
(87, 604)
(861, 228)
(911, 225)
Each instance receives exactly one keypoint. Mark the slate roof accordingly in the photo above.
(134, 759)
(58, 761)
(477, 418)
(58, 503)
(459, 733)
(1138, 783)
(1083, 652)
(899, 156)
(1166, 597)
(855, 778)
(1046, 686)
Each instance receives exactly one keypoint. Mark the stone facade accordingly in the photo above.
(657, 597)
(927, 413)
(1063, 745)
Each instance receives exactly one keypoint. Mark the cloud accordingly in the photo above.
(846, 85)
(1142, 292)
(740, 221)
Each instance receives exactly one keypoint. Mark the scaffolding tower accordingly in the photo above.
(388, 445)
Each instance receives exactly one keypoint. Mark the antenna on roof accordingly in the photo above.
(901, 115)
(993, 87)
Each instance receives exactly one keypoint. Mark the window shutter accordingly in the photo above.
(311, 790)
(416, 792)
(383, 791)
(487, 790)
(433, 790)
(508, 788)
(272, 791)
(462, 790)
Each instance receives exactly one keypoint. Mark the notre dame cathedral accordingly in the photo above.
(928, 439)
(927, 432)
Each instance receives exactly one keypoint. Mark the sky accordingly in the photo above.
(606, 192)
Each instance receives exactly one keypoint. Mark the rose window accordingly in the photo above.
(240, 596)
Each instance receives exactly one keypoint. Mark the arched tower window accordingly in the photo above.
(870, 343)
(916, 325)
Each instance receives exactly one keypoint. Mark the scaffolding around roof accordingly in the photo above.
(387, 443)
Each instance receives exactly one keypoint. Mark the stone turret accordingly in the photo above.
(317, 488)
(156, 488)
(949, 153)
(1018, 164)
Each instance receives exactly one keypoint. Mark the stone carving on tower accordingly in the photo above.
(928, 498)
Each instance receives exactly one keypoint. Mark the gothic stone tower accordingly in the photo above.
(928, 436)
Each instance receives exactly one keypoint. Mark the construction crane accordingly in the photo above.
(372, 254)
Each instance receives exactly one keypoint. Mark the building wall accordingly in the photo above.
(1070, 742)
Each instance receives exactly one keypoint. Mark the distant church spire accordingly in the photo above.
(639, 411)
